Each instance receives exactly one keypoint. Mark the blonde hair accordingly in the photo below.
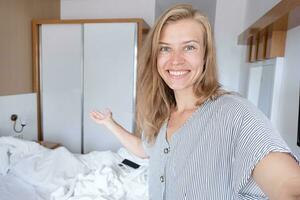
(154, 98)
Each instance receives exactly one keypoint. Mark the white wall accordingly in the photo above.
(228, 25)
(207, 7)
(89, 9)
(287, 122)
(232, 18)
(250, 17)
(256, 9)
(24, 105)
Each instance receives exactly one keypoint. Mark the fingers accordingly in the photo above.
(100, 117)
(97, 115)
(103, 118)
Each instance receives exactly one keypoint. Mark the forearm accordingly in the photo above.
(128, 140)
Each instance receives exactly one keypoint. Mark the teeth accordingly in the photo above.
(178, 73)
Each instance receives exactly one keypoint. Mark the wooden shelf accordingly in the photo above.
(283, 8)
(266, 37)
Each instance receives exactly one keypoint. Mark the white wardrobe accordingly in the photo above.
(85, 67)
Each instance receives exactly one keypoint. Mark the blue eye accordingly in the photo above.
(189, 48)
(164, 49)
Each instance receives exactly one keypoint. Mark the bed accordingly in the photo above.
(32, 172)
(14, 188)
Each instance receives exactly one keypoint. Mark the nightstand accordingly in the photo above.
(49, 145)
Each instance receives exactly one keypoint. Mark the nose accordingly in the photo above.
(177, 57)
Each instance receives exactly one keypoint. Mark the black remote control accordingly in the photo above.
(130, 164)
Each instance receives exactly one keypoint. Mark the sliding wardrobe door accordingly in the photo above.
(61, 84)
(109, 79)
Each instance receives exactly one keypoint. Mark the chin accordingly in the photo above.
(178, 87)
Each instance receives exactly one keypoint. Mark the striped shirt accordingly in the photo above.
(212, 155)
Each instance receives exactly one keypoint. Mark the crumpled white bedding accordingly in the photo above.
(59, 175)
(14, 188)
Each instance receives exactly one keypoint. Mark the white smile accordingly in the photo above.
(178, 73)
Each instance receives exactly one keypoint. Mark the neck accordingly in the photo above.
(185, 100)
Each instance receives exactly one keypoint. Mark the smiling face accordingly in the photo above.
(180, 57)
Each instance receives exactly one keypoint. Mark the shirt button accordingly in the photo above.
(166, 150)
(162, 179)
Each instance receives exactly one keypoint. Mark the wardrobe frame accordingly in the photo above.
(142, 28)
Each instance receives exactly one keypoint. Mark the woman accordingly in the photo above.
(202, 142)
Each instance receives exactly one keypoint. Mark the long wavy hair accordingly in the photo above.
(154, 98)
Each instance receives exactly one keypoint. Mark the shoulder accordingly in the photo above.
(233, 102)
(228, 110)
(232, 99)
(236, 107)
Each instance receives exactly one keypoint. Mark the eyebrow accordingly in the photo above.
(185, 42)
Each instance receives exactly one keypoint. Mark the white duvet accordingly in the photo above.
(59, 175)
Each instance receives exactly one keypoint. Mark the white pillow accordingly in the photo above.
(4, 159)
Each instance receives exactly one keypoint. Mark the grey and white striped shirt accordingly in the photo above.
(213, 154)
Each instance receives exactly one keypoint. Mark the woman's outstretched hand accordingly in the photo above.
(127, 139)
(104, 118)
